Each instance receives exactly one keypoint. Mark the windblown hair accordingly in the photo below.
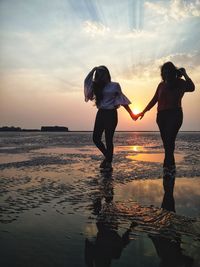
(172, 75)
(101, 78)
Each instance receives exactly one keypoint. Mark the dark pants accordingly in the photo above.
(106, 120)
(169, 123)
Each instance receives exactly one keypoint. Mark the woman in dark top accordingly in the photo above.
(169, 94)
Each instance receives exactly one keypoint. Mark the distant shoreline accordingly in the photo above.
(65, 129)
(135, 131)
(79, 131)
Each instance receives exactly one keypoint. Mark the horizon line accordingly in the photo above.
(68, 129)
(38, 130)
(133, 131)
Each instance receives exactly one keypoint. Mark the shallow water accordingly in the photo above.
(58, 209)
(153, 157)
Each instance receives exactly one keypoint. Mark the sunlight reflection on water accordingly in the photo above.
(153, 157)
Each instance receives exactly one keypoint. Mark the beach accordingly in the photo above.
(58, 209)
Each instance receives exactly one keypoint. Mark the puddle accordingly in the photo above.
(131, 148)
(87, 149)
(67, 150)
(7, 147)
(150, 192)
(157, 157)
(11, 158)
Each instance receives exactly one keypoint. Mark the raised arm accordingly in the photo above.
(90, 74)
(133, 116)
(122, 100)
(189, 85)
(88, 85)
(153, 101)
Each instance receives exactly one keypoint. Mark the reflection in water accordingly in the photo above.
(162, 226)
(152, 157)
(108, 244)
(169, 248)
(136, 148)
(168, 202)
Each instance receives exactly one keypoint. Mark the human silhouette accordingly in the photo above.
(108, 244)
(168, 95)
(169, 248)
(108, 97)
(168, 202)
(106, 192)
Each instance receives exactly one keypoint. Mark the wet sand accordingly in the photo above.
(56, 205)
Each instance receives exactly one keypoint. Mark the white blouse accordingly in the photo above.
(112, 93)
(113, 97)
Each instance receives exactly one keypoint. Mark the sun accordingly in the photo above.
(136, 110)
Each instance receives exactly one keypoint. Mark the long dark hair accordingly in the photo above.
(101, 78)
(170, 74)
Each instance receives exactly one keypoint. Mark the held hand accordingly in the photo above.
(141, 115)
(134, 117)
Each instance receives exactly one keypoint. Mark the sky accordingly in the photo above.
(48, 47)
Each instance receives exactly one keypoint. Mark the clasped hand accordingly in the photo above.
(136, 116)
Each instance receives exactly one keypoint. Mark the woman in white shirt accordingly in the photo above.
(108, 97)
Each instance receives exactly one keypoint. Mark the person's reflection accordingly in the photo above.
(169, 248)
(168, 202)
(105, 192)
(108, 243)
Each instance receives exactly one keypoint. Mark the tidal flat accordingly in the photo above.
(58, 209)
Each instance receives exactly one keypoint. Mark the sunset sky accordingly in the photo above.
(48, 46)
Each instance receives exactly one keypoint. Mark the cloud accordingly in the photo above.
(151, 69)
(134, 34)
(37, 81)
(95, 28)
(177, 9)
